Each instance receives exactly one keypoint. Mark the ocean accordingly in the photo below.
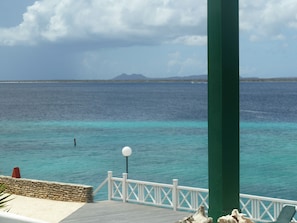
(165, 124)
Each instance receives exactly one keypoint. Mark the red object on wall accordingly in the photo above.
(16, 172)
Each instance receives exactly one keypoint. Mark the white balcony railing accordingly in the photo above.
(183, 198)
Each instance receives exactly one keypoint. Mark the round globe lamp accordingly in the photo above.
(126, 151)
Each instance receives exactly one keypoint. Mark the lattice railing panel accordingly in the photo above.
(260, 209)
(192, 198)
(117, 189)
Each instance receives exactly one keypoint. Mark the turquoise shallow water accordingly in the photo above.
(99, 147)
(161, 151)
(268, 159)
(164, 124)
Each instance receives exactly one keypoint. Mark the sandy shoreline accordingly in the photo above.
(41, 209)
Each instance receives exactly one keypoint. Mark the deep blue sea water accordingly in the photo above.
(165, 124)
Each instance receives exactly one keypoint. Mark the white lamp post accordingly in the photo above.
(127, 151)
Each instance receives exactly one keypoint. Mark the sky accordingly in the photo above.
(101, 39)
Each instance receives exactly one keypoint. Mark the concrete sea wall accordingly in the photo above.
(48, 190)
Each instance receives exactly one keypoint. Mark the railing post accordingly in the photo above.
(158, 198)
(175, 194)
(124, 187)
(258, 210)
(141, 192)
(277, 209)
(109, 176)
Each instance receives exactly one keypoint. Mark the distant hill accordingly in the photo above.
(130, 77)
(202, 78)
(141, 77)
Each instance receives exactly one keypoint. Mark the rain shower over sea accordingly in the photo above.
(165, 124)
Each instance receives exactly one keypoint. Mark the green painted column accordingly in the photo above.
(223, 107)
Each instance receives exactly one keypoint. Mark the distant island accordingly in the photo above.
(142, 78)
(194, 78)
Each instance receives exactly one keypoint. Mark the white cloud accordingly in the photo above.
(185, 64)
(194, 40)
(271, 19)
(108, 21)
(279, 37)
(143, 22)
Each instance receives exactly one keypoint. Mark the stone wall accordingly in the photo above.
(48, 190)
